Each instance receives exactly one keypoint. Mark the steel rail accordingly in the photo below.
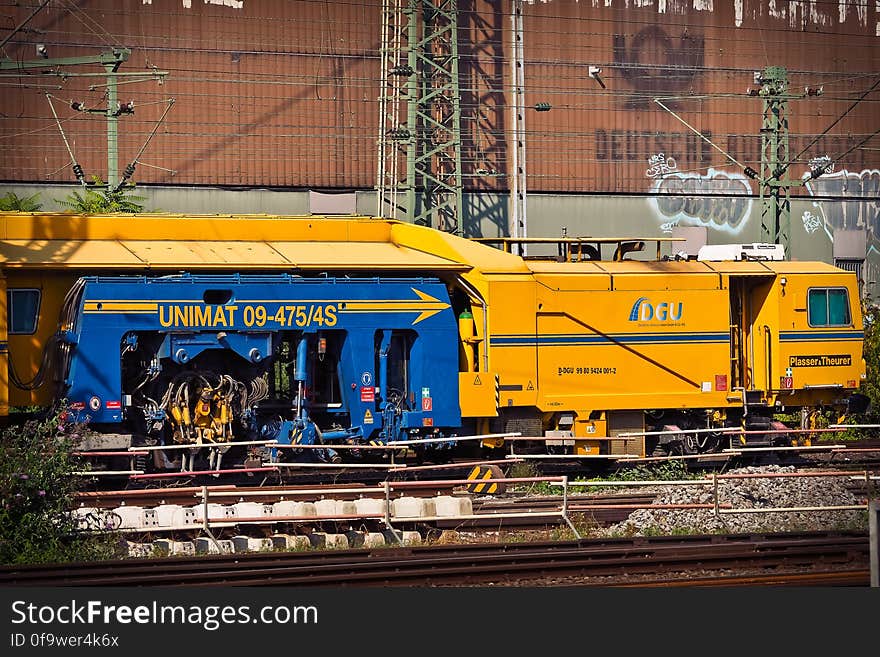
(464, 563)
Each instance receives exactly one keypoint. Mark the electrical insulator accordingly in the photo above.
(124, 108)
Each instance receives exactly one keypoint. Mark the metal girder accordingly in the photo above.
(111, 61)
(775, 185)
(112, 58)
(419, 170)
(518, 219)
(394, 135)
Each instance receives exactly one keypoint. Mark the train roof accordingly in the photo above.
(248, 242)
(156, 241)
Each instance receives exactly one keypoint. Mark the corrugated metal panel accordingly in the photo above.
(285, 93)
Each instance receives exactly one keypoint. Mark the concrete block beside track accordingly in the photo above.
(175, 515)
(189, 516)
(92, 518)
(167, 514)
(150, 518)
(250, 544)
(325, 541)
(175, 548)
(365, 539)
(131, 517)
(84, 512)
(282, 509)
(326, 507)
(370, 506)
(406, 537)
(205, 545)
(297, 509)
(412, 507)
(252, 510)
(346, 508)
(139, 550)
(291, 542)
(336, 542)
(451, 506)
(216, 512)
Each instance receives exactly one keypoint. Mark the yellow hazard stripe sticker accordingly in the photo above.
(478, 472)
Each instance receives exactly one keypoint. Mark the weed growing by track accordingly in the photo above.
(36, 492)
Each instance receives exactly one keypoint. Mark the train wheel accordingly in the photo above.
(687, 445)
(712, 443)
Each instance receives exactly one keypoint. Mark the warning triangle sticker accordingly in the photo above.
(477, 381)
(530, 386)
(368, 417)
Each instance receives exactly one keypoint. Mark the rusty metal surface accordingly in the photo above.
(475, 564)
(284, 94)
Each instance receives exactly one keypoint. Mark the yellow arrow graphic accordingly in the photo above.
(426, 306)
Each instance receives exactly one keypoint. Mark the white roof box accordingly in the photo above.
(718, 252)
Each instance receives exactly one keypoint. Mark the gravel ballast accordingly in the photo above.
(750, 493)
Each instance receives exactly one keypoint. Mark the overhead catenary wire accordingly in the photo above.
(299, 145)
(77, 169)
(21, 25)
(129, 170)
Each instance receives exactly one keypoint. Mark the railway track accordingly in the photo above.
(514, 510)
(475, 564)
(189, 495)
(861, 577)
(857, 455)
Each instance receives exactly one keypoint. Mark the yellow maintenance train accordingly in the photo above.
(320, 331)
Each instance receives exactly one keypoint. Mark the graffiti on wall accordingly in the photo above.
(861, 208)
(718, 199)
(846, 200)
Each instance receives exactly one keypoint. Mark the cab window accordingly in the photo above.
(23, 308)
(829, 306)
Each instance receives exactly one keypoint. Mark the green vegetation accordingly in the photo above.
(525, 470)
(870, 387)
(100, 199)
(12, 202)
(36, 491)
(662, 471)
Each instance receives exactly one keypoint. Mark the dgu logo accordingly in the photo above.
(644, 311)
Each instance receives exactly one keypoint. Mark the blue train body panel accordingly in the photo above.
(349, 350)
